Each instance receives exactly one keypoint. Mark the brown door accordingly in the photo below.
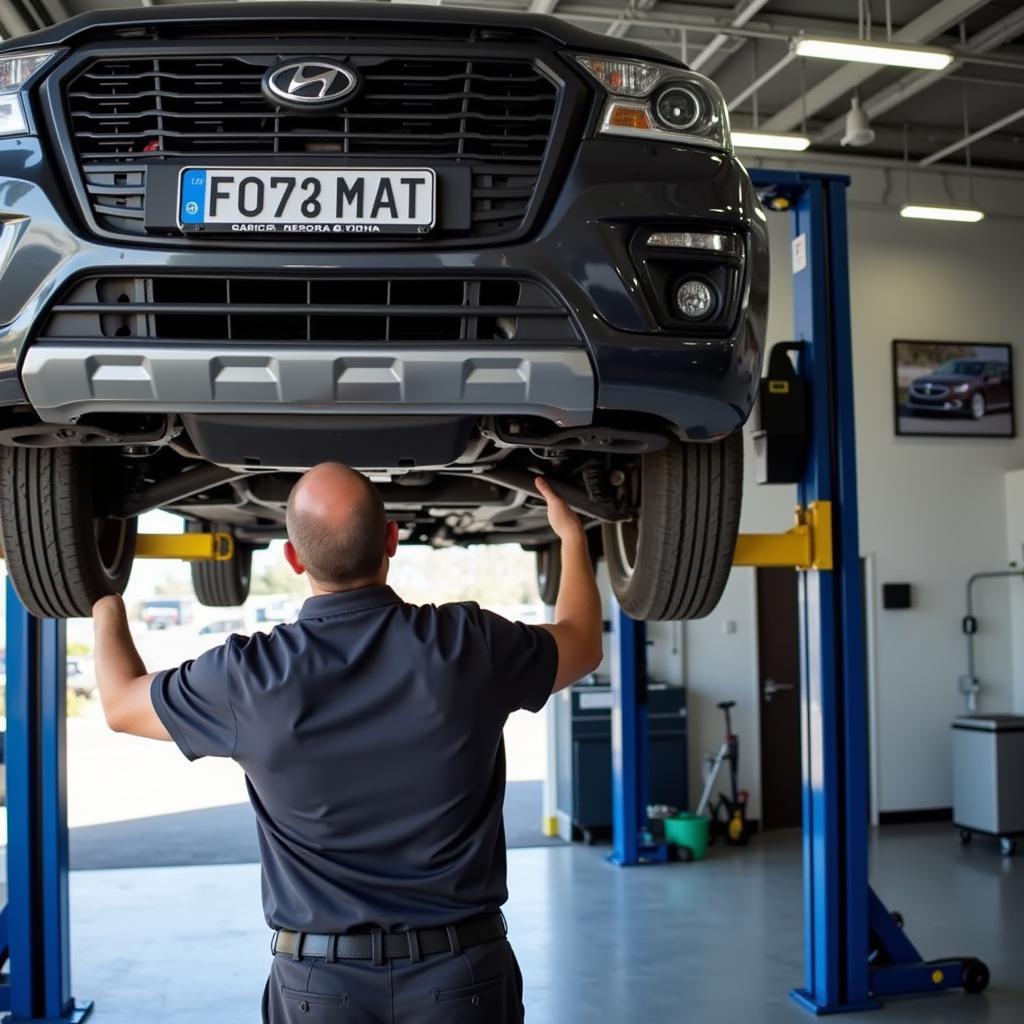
(778, 632)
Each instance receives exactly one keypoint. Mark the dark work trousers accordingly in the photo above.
(479, 984)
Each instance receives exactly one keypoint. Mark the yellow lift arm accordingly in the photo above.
(188, 547)
(807, 546)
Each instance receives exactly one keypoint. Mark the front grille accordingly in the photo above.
(929, 390)
(127, 114)
(320, 310)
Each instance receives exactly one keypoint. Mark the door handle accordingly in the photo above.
(769, 687)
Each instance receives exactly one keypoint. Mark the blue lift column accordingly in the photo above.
(630, 763)
(34, 930)
(856, 951)
(834, 701)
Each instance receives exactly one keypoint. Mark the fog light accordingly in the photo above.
(695, 298)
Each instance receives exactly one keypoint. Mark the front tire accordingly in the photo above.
(61, 558)
(978, 406)
(222, 584)
(673, 560)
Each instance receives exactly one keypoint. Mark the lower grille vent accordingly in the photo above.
(321, 310)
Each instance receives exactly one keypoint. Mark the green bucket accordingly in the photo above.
(689, 830)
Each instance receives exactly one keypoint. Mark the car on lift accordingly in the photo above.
(455, 249)
(962, 387)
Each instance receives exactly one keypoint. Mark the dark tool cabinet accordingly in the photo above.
(585, 752)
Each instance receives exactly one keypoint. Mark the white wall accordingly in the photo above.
(931, 511)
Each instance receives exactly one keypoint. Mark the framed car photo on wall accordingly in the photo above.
(953, 389)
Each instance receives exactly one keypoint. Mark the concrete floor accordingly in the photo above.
(720, 941)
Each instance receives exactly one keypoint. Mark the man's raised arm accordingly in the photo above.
(577, 627)
(121, 675)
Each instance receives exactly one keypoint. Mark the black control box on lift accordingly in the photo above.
(781, 419)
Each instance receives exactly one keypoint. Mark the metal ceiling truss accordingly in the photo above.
(845, 80)
(709, 37)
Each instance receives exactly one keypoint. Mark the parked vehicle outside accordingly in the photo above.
(81, 677)
(166, 612)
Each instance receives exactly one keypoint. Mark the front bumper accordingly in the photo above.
(947, 406)
(66, 381)
(703, 385)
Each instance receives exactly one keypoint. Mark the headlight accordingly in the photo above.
(661, 102)
(15, 72)
(962, 389)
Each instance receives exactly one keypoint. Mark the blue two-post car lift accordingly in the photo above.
(855, 950)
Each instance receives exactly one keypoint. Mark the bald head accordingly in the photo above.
(337, 525)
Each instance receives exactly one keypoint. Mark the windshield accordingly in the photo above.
(962, 368)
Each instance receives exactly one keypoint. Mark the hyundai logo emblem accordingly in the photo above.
(310, 84)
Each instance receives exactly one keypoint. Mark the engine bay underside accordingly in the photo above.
(446, 480)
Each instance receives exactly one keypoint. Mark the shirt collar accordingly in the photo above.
(344, 602)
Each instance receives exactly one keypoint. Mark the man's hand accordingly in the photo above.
(563, 520)
(109, 604)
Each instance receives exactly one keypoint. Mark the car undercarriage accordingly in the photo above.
(445, 480)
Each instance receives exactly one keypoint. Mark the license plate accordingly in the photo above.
(308, 200)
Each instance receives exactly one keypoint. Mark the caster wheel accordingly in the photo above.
(898, 919)
(588, 837)
(1007, 846)
(976, 977)
(966, 836)
(684, 853)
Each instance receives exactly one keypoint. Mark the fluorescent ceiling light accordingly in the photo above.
(770, 140)
(928, 58)
(956, 213)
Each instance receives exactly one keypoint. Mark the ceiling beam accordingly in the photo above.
(57, 10)
(700, 19)
(13, 21)
(981, 133)
(741, 14)
(765, 76)
(924, 28)
(914, 82)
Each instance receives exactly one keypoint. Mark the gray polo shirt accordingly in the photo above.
(370, 732)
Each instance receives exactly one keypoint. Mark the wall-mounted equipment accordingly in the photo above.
(781, 422)
(969, 684)
(897, 596)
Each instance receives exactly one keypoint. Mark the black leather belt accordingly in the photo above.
(379, 946)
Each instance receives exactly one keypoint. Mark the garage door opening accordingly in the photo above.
(134, 803)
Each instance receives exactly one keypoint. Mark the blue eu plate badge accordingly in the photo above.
(193, 197)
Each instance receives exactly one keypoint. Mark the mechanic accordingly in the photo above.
(370, 733)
